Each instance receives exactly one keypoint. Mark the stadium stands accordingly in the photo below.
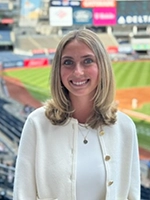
(10, 127)
(141, 43)
(26, 43)
(10, 56)
(5, 37)
(47, 42)
(122, 31)
(108, 39)
(33, 42)
(9, 124)
(145, 193)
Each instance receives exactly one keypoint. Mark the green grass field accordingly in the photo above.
(132, 74)
(36, 80)
(127, 74)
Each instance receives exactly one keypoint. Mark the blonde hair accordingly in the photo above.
(59, 108)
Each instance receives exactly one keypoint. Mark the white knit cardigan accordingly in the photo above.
(47, 156)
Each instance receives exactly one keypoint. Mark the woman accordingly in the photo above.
(78, 146)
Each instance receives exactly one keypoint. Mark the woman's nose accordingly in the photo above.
(78, 70)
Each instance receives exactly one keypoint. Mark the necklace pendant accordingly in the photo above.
(85, 141)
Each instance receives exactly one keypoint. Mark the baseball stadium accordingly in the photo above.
(29, 34)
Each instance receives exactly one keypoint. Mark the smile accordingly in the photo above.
(80, 83)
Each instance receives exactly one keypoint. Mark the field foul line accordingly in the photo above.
(137, 114)
(36, 89)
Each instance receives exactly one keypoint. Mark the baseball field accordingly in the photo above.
(132, 94)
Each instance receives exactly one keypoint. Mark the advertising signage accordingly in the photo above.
(65, 3)
(133, 12)
(104, 16)
(60, 16)
(29, 12)
(139, 47)
(36, 62)
(11, 64)
(82, 16)
(98, 3)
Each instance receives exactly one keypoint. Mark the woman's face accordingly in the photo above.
(79, 70)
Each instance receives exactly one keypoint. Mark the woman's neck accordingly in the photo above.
(83, 108)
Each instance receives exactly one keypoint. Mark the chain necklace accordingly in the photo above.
(85, 140)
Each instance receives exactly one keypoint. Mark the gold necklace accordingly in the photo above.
(85, 140)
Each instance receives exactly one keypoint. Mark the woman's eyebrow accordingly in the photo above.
(88, 55)
(84, 56)
(64, 57)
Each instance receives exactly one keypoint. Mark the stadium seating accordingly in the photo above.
(108, 39)
(33, 42)
(145, 193)
(10, 56)
(5, 36)
(9, 124)
(122, 30)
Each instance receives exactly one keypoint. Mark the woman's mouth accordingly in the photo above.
(79, 83)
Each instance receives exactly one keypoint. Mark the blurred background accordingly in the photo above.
(29, 33)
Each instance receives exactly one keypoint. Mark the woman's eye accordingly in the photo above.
(68, 62)
(88, 61)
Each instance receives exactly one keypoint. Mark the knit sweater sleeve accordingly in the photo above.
(134, 192)
(25, 184)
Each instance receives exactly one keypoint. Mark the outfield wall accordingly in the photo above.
(11, 60)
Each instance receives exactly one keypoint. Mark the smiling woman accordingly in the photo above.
(78, 146)
(79, 71)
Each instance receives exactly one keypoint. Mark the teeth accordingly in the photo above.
(79, 83)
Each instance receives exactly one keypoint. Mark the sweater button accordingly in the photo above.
(101, 133)
(107, 157)
(110, 183)
(70, 177)
(72, 150)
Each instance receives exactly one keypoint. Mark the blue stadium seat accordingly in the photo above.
(145, 193)
(9, 124)
(5, 36)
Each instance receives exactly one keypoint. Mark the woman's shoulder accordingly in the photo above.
(121, 114)
(37, 113)
(123, 118)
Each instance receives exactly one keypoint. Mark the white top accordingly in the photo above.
(91, 173)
